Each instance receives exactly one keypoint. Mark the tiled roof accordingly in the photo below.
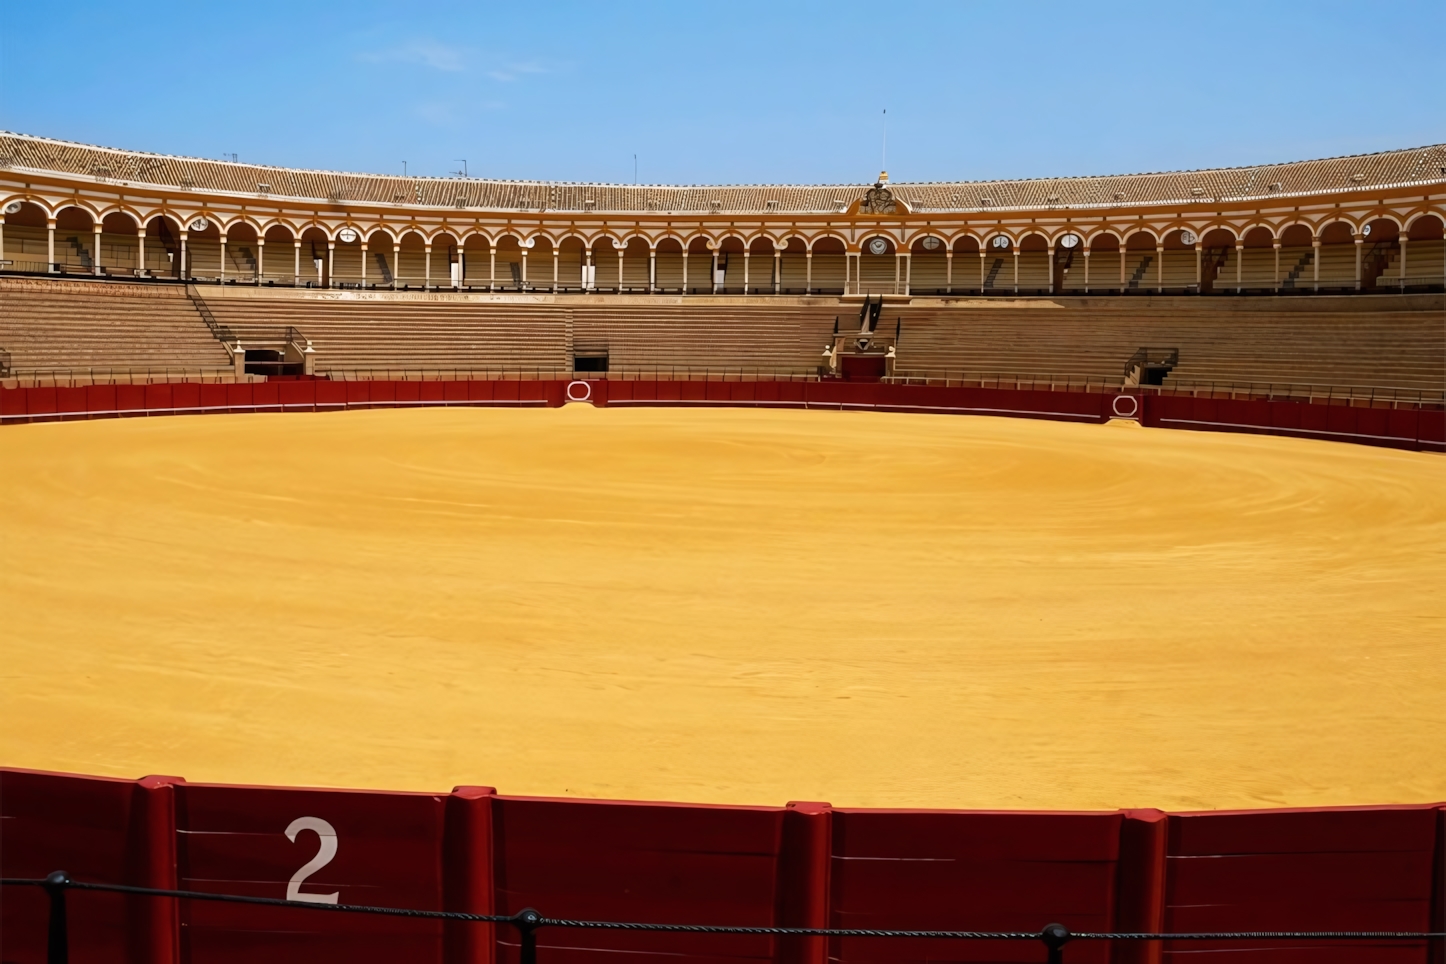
(1422, 165)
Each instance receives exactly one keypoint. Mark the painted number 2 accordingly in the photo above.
(324, 855)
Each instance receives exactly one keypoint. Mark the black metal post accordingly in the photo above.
(1055, 936)
(57, 946)
(526, 922)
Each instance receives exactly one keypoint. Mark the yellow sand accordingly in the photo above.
(729, 606)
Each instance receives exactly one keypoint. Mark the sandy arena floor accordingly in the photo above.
(727, 606)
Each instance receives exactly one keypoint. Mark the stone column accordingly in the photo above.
(777, 271)
(50, 258)
(1087, 271)
(1239, 265)
(523, 272)
(621, 249)
(1122, 266)
(185, 272)
(685, 271)
(555, 253)
(427, 266)
(1052, 266)
(1016, 269)
(949, 271)
(1360, 248)
(396, 262)
(260, 257)
(1276, 245)
(652, 268)
(364, 264)
(491, 266)
(1159, 269)
(983, 255)
(908, 271)
(898, 270)
(140, 253)
(1199, 268)
(223, 259)
(95, 254)
(746, 253)
(1315, 262)
(330, 279)
(296, 270)
(1403, 241)
(808, 271)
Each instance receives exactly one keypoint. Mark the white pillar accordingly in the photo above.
(777, 271)
(184, 268)
(524, 268)
(140, 252)
(1239, 265)
(491, 266)
(427, 267)
(1016, 271)
(685, 271)
(1051, 267)
(1122, 267)
(908, 271)
(95, 255)
(1087, 271)
(715, 272)
(260, 257)
(1199, 268)
(296, 269)
(554, 269)
(898, 270)
(50, 258)
(223, 258)
(621, 249)
(1315, 262)
(1276, 245)
(746, 253)
(396, 262)
(364, 265)
(1360, 242)
(330, 264)
(808, 271)
(652, 269)
(1159, 269)
(982, 256)
(1403, 240)
(949, 271)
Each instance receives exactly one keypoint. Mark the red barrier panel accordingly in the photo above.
(972, 871)
(1366, 869)
(329, 846)
(637, 861)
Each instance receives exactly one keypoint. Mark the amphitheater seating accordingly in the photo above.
(1338, 341)
(374, 337)
(58, 326)
(780, 339)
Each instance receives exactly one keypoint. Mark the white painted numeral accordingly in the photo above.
(327, 834)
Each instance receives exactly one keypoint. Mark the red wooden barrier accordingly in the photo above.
(1378, 868)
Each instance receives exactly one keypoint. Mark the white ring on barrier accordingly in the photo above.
(1134, 406)
(586, 392)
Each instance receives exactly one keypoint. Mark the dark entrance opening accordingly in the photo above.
(267, 361)
(590, 363)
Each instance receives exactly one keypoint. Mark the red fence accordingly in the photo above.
(1409, 428)
(1369, 869)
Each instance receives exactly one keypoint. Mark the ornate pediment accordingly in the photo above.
(878, 200)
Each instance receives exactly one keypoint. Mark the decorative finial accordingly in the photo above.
(883, 177)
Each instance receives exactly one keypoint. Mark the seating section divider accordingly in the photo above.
(804, 864)
(1420, 428)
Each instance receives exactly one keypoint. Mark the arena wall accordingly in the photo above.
(805, 864)
(1405, 426)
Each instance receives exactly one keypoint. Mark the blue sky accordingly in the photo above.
(736, 92)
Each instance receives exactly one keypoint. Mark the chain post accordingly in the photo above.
(1055, 936)
(526, 921)
(57, 945)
